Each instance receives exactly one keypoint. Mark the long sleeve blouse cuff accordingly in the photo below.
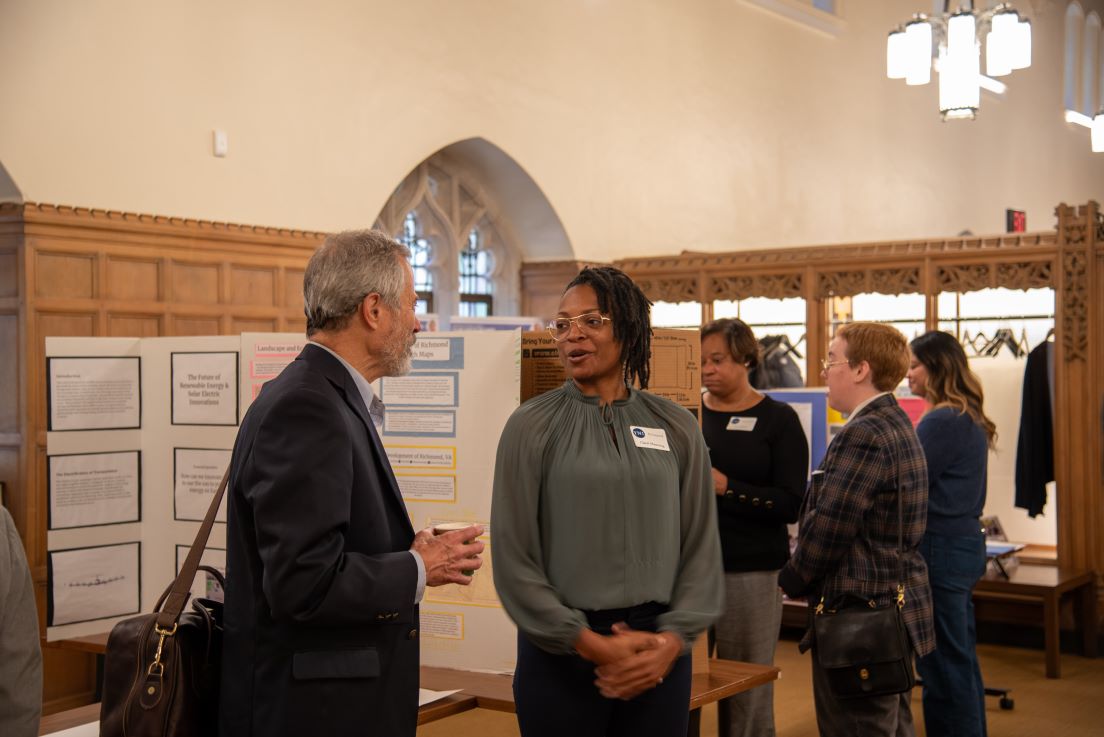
(791, 583)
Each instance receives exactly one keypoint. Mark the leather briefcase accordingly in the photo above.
(161, 670)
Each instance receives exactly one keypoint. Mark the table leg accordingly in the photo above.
(1052, 635)
(693, 727)
(1089, 631)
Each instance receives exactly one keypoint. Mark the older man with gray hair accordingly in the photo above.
(324, 571)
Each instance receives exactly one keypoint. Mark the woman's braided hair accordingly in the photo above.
(631, 314)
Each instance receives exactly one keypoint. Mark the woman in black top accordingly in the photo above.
(760, 460)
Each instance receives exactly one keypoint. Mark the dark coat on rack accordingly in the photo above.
(1035, 449)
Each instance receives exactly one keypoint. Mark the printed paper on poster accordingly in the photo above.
(205, 388)
(94, 583)
(89, 489)
(101, 393)
(196, 477)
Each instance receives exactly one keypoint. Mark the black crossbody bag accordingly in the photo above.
(864, 650)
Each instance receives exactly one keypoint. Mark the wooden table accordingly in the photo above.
(479, 690)
(1046, 585)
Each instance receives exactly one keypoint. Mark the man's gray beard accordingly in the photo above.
(398, 358)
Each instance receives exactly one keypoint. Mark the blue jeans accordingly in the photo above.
(954, 695)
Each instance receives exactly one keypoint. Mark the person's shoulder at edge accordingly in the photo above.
(942, 416)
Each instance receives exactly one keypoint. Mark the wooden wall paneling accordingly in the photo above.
(60, 275)
(195, 282)
(543, 283)
(134, 326)
(132, 279)
(252, 286)
(195, 325)
(9, 271)
(293, 289)
(252, 325)
(78, 272)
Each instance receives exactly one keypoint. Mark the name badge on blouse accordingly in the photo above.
(649, 437)
(746, 424)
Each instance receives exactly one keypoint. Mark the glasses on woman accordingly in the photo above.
(825, 364)
(588, 324)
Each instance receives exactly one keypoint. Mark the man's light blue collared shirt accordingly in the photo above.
(376, 410)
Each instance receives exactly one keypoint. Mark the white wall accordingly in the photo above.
(652, 126)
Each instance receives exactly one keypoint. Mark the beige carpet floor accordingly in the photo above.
(1072, 706)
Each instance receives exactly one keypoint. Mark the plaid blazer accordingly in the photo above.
(847, 539)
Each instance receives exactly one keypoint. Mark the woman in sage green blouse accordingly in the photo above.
(606, 552)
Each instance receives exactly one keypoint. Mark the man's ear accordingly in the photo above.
(862, 372)
(370, 309)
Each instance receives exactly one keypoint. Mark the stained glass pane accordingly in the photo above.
(476, 265)
(421, 253)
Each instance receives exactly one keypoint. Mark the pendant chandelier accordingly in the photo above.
(951, 43)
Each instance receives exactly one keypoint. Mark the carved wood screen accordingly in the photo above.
(1069, 259)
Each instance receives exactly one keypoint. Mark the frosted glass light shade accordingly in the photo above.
(918, 39)
(999, 44)
(1021, 47)
(897, 55)
(959, 69)
(1098, 133)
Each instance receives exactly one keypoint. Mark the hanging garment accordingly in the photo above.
(1035, 449)
(777, 368)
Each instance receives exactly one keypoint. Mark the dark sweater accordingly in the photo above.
(767, 468)
(958, 461)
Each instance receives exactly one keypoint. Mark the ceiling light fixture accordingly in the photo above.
(953, 38)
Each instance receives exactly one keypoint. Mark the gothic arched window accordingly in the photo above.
(462, 263)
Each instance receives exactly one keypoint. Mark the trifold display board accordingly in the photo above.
(140, 432)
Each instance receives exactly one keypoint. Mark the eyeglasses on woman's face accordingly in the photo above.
(589, 323)
(825, 364)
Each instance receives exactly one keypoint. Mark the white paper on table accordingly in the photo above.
(92, 729)
(425, 696)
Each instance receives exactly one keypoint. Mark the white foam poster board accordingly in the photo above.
(129, 487)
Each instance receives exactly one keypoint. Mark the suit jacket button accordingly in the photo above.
(412, 634)
(755, 502)
(743, 497)
(768, 504)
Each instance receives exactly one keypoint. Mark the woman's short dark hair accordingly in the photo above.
(630, 312)
(738, 336)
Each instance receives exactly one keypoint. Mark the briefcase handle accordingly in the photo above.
(181, 590)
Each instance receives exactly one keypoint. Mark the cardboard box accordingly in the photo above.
(675, 366)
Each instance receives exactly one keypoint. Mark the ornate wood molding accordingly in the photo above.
(92, 219)
(670, 290)
(1012, 247)
(775, 286)
(1077, 230)
(1075, 313)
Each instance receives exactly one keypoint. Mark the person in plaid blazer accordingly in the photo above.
(847, 540)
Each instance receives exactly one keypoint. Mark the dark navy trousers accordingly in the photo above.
(555, 695)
